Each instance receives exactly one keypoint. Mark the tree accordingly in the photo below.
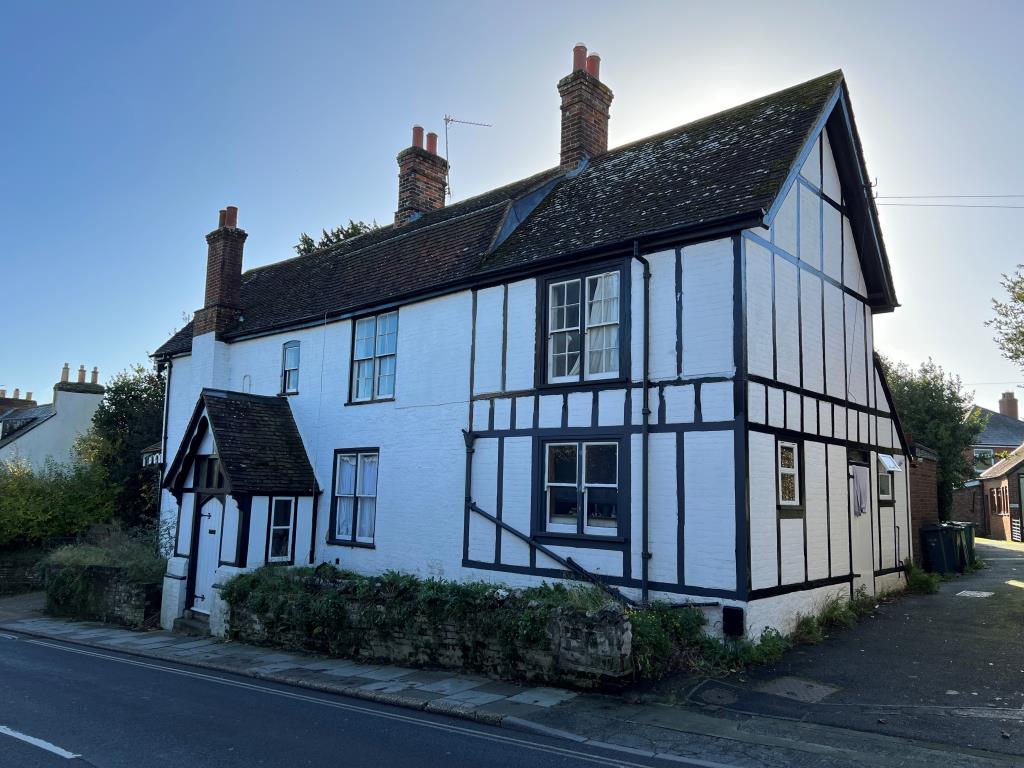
(129, 419)
(308, 245)
(1009, 319)
(935, 409)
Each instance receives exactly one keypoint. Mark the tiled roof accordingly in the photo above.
(717, 169)
(258, 444)
(1000, 431)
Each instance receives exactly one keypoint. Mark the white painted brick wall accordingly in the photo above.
(611, 407)
(708, 309)
(759, 309)
(516, 498)
(663, 315)
(816, 510)
(489, 334)
(791, 537)
(716, 401)
(763, 536)
(663, 508)
(710, 543)
(838, 509)
(520, 356)
(810, 228)
(787, 325)
(811, 332)
(756, 402)
(784, 228)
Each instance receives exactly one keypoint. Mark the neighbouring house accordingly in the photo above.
(1003, 432)
(37, 433)
(650, 365)
(1001, 495)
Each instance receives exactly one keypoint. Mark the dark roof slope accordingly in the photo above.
(713, 170)
(1000, 431)
(258, 443)
(15, 423)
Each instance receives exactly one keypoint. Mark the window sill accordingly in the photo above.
(790, 512)
(287, 394)
(350, 543)
(371, 402)
(585, 384)
(886, 503)
(552, 537)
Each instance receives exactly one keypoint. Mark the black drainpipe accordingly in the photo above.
(163, 447)
(646, 553)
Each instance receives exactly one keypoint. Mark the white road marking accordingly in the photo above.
(439, 726)
(52, 748)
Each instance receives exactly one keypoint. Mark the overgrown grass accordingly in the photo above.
(920, 581)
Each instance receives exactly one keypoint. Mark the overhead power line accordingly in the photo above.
(949, 205)
(939, 197)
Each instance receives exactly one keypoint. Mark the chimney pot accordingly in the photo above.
(3, 394)
(81, 374)
(231, 217)
(417, 136)
(65, 372)
(222, 219)
(432, 143)
(579, 57)
(1008, 405)
(95, 378)
(594, 65)
(28, 395)
(17, 393)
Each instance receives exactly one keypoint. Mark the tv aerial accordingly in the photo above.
(452, 120)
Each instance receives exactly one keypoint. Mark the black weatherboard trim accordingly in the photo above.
(742, 422)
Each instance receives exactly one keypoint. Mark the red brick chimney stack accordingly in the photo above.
(422, 178)
(585, 108)
(223, 276)
(1008, 405)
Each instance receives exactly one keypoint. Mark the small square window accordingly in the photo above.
(789, 474)
(583, 317)
(581, 488)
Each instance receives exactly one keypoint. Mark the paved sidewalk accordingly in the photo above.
(674, 733)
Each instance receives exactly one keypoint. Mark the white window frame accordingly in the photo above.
(550, 526)
(585, 308)
(553, 331)
(376, 356)
(884, 473)
(290, 384)
(599, 530)
(583, 328)
(357, 496)
(794, 471)
(271, 558)
(581, 487)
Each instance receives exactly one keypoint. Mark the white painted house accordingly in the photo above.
(35, 434)
(651, 366)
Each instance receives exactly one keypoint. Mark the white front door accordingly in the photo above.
(208, 525)
(861, 528)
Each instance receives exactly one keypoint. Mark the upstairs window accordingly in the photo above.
(581, 487)
(290, 368)
(789, 474)
(375, 357)
(983, 459)
(583, 316)
(887, 465)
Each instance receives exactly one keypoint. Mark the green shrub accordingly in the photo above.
(807, 631)
(665, 637)
(920, 581)
(60, 500)
(298, 603)
(838, 612)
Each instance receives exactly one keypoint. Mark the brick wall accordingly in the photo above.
(111, 597)
(19, 573)
(924, 493)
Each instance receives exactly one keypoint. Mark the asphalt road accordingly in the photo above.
(62, 705)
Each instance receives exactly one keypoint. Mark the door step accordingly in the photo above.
(192, 624)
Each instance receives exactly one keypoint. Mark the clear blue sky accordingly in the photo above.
(126, 126)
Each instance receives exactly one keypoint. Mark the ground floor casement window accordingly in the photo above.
(354, 507)
(282, 529)
(581, 487)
